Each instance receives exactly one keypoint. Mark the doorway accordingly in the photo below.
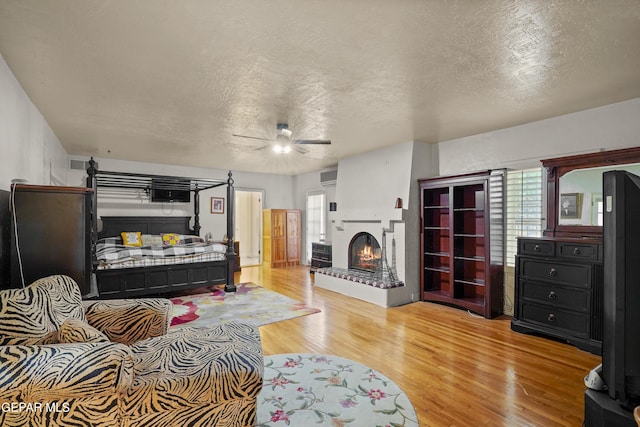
(248, 225)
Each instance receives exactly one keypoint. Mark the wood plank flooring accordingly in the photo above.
(458, 369)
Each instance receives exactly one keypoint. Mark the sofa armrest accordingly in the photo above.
(41, 373)
(129, 320)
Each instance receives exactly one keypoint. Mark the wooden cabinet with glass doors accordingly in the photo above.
(462, 239)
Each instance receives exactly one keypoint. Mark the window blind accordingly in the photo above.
(316, 224)
(524, 208)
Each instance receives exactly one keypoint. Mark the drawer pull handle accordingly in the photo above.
(551, 317)
(552, 295)
(577, 251)
(553, 272)
(536, 248)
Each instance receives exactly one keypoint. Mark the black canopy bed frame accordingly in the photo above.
(149, 280)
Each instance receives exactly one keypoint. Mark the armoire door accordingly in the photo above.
(293, 237)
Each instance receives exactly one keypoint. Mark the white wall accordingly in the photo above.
(610, 127)
(369, 184)
(29, 148)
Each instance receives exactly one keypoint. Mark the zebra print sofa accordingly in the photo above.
(68, 362)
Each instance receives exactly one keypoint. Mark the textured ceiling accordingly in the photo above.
(172, 81)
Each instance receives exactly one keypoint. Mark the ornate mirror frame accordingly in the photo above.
(558, 167)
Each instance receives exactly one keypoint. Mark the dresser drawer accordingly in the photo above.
(574, 322)
(584, 251)
(536, 247)
(549, 271)
(555, 296)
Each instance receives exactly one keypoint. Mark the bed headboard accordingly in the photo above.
(112, 226)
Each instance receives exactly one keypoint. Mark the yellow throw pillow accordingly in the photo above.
(76, 331)
(171, 239)
(131, 238)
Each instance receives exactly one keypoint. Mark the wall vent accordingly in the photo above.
(329, 178)
(80, 165)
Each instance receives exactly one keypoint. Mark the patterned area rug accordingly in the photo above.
(323, 390)
(250, 303)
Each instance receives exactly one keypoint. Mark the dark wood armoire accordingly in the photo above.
(48, 232)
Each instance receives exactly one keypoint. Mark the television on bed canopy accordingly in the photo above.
(170, 190)
(621, 338)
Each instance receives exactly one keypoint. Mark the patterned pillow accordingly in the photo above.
(171, 239)
(131, 238)
(76, 331)
(151, 240)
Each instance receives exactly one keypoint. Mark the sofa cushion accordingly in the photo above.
(76, 331)
(200, 365)
(33, 315)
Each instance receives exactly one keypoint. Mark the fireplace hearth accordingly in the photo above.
(364, 253)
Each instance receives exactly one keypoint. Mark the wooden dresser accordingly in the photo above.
(559, 290)
(53, 230)
(320, 255)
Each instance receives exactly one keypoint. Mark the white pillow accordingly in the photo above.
(151, 240)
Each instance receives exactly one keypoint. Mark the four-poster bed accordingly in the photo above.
(166, 254)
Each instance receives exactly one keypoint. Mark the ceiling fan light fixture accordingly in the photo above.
(282, 148)
(283, 143)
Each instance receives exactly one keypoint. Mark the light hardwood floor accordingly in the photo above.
(458, 369)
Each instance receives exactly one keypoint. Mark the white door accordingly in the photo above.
(248, 225)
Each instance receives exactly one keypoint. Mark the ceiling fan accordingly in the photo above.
(283, 142)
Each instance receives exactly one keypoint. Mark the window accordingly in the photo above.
(316, 220)
(524, 208)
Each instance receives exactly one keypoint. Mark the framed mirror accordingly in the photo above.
(574, 190)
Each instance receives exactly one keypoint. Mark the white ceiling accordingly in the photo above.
(172, 81)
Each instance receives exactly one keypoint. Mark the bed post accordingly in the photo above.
(92, 182)
(231, 255)
(196, 211)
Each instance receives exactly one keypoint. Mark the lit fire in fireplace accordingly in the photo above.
(365, 252)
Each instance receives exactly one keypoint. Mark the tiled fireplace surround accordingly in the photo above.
(366, 191)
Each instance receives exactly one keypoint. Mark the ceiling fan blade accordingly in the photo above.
(300, 149)
(312, 141)
(252, 137)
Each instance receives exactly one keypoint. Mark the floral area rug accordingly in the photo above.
(250, 303)
(322, 390)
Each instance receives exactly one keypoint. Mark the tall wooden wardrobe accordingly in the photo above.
(53, 230)
(281, 237)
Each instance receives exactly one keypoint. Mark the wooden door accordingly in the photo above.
(278, 238)
(293, 237)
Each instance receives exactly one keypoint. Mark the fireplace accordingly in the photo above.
(364, 252)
